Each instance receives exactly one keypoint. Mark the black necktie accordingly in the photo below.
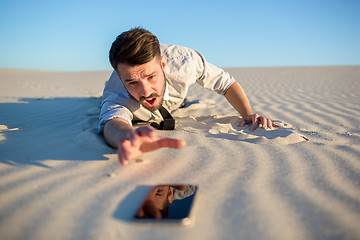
(168, 123)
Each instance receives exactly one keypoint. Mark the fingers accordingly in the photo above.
(129, 148)
(144, 139)
(123, 157)
(265, 123)
(246, 120)
(162, 143)
(242, 122)
(146, 131)
(171, 143)
(125, 151)
(256, 120)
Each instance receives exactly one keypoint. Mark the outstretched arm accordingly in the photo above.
(131, 142)
(236, 96)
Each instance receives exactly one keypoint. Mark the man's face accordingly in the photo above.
(158, 199)
(146, 82)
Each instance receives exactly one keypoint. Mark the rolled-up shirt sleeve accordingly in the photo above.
(111, 110)
(186, 66)
(214, 78)
(112, 106)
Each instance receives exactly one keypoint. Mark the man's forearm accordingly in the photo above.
(236, 96)
(115, 130)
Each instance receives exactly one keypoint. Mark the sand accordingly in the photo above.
(59, 180)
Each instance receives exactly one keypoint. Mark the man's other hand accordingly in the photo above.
(255, 120)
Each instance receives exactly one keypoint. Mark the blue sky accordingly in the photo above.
(76, 35)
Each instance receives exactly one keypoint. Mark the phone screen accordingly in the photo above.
(168, 203)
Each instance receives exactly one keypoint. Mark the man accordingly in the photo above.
(156, 204)
(149, 76)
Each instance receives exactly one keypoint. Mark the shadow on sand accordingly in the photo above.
(34, 130)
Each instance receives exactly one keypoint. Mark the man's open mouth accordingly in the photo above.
(150, 100)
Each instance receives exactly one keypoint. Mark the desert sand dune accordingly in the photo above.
(59, 179)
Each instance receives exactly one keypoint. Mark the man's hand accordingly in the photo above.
(144, 139)
(255, 120)
(238, 99)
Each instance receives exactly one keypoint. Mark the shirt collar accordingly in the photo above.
(166, 93)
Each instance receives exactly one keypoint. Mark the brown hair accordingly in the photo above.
(134, 47)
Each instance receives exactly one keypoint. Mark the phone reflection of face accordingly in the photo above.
(157, 202)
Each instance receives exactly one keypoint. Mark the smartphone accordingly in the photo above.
(168, 204)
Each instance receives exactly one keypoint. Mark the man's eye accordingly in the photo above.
(159, 192)
(132, 83)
